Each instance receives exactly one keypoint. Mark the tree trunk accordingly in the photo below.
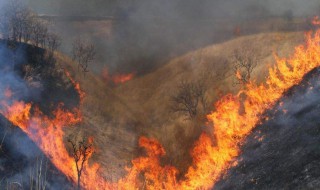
(79, 187)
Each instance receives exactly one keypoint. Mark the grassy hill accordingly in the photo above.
(117, 116)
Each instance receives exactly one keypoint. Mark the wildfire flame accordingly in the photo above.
(212, 154)
(76, 86)
(116, 78)
(316, 21)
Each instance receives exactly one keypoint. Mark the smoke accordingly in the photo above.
(20, 157)
(11, 80)
(283, 152)
(170, 9)
(145, 34)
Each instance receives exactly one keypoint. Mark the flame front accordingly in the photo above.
(233, 119)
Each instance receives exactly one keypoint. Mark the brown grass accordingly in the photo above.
(116, 117)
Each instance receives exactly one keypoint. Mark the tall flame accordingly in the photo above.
(233, 119)
(48, 133)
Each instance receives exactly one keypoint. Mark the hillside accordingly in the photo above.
(283, 153)
(116, 117)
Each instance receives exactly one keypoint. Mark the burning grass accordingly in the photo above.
(116, 78)
(232, 121)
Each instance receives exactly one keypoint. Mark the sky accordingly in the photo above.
(150, 31)
(176, 8)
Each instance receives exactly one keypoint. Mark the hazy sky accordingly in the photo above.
(207, 8)
(157, 29)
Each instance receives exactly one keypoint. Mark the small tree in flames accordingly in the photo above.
(81, 151)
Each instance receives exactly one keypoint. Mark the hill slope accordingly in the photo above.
(150, 94)
(116, 117)
(283, 153)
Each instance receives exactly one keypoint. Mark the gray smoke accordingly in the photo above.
(20, 157)
(147, 33)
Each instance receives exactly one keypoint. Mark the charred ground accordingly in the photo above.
(23, 164)
(283, 152)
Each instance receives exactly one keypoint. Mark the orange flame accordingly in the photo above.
(76, 86)
(212, 157)
(316, 21)
(213, 154)
(117, 78)
(48, 133)
(122, 78)
(231, 126)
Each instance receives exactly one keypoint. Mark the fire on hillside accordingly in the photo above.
(213, 154)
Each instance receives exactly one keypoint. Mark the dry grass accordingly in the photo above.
(116, 117)
(150, 94)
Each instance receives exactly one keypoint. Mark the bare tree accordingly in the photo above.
(27, 26)
(10, 19)
(245, 60)
(39, 33)
(84, 53)
(16, 21)
(53, 43)
(21, 24)
(81, 151)
(190, 97)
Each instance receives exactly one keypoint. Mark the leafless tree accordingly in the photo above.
(84, 53)
(10, 19)
(20, 24)
(81, 151)
(190, 97)
(39, 33)
(53, 43)
(27, 27)
(23, 25)
(245, 60)
(16, 21)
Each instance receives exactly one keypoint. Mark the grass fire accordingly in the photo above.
(150, 95)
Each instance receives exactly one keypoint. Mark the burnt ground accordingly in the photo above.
(287, 156)
(33, 76)
(21, 160)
